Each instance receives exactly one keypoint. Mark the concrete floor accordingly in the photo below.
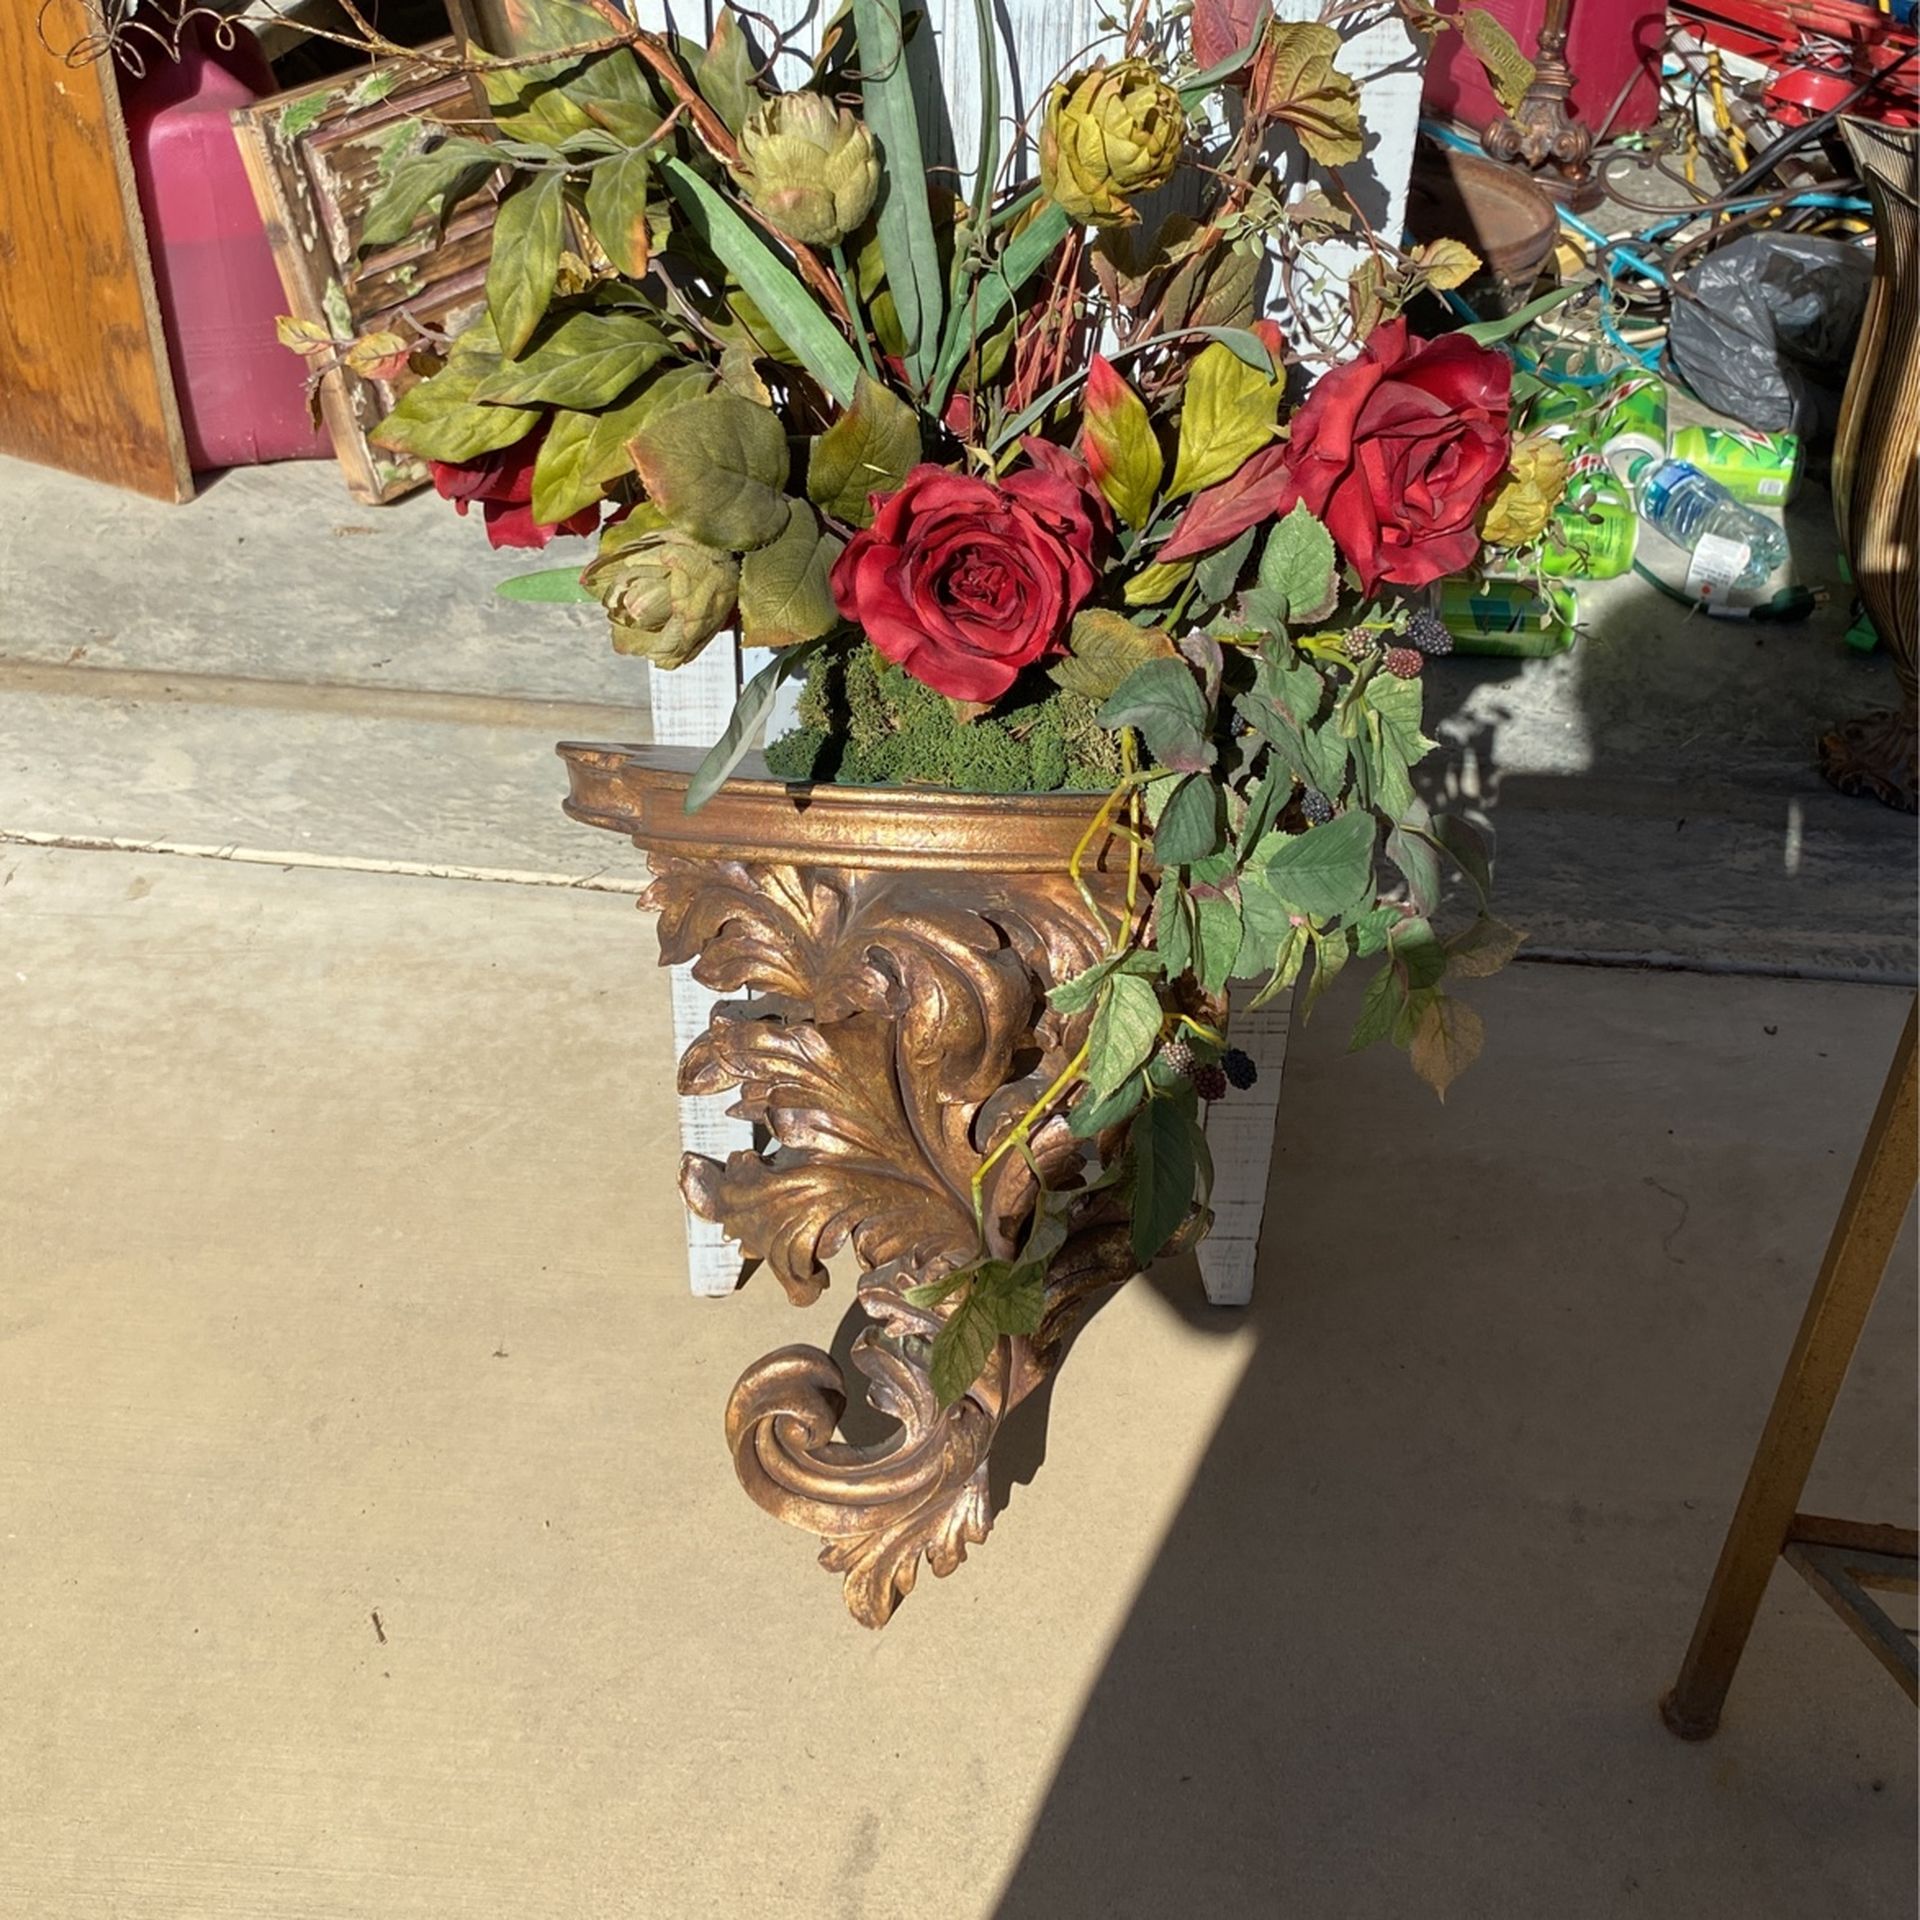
(339, 1277)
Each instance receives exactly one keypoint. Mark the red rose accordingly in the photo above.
(1396, 450)
(503, 484)
(963, 581)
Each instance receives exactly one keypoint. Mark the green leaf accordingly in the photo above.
(1287, 962)
(439, 420)
(549, 587)
(1193, 824)
(1094, 1113)
(1162, 699)
(1075, 995)
(1126, 1027)
(1413, 853)
(561, 486)
(870, 449)
(436, 178)
(789, 308)
(1446, 1041)
(1228, 412)
(617, 209)
(1164, 1170)
(1216, 945)
(582, 360)
(1173, 927)
(1489, 332)
(977, 312)
(584, 453)
(1267, 925)
(1378, 1010)
(717, 467)
(904, 220)
(725, 73)
(784, 595)
(1217, 574)
(749, 710)
(1014, 1293)
(1419, 958)
(1269, 797)
(1331, 952)
(526, 259)
(1103, 647)
(1325, 871)
(1297, 569)
(961, 1349)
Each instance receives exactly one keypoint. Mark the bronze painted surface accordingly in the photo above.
(897, 947)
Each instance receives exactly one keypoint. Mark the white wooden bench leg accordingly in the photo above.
(691, 706)
(1240, 1131)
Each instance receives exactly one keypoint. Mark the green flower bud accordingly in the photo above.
(1109, 133)
(809, 166)
(667, 595)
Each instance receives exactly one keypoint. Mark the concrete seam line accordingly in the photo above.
(1653, 960)
(324, 862)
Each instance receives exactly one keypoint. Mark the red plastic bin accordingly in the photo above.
(1612, 45)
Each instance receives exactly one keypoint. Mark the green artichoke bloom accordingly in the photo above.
(1109, 133)
(809, 166)
(667, 595)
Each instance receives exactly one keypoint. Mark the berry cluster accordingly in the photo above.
(1404, 663)
(1316, 806)
(1211, 1079)
(1427, 633)
(1359, 644)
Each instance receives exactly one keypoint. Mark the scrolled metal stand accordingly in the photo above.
(1544, 134)
(1843, 1561)
(893, 950)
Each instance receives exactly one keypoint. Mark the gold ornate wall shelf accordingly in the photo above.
(892, 950)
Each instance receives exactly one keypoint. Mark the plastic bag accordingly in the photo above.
(1763, 329)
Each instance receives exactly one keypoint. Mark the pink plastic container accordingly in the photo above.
(242, 395)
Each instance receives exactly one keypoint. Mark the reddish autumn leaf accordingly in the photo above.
(1221, 28)
(1262, 488)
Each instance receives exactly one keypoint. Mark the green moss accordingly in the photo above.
(797, 755)
(866, 722)
(1047, 751)
(986, 758)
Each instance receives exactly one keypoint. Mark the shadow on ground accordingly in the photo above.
(1400, 1650)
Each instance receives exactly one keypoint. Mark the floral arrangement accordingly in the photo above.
(1005, 467)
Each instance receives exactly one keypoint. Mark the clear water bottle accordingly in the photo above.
(1732, 548)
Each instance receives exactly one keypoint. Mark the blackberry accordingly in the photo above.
(1403, 663)
(1210, 1083)
(1427, 633)
(1359, 644)
(1178, 1055)
(1316, 806)
(1239, 1068)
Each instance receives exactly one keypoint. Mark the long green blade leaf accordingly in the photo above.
(993, 293)
(987, 161)
(749, 710)
(1487, 332)
(550, 587)
(905, 220)
(772, 288)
